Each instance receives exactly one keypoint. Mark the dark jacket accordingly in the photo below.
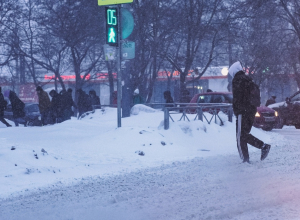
(84, 103)
(3, 104)
(56, 104)
(17, 105)
(115, 98)
(44, 101)
(66, 105)
(241, 94)
(70, 101)
(168, 98)
(95, 100)
(66, 100)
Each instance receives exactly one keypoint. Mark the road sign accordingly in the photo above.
(113, 2)
(127, 23)
(128, 50)
(109, 52)
(112, 23)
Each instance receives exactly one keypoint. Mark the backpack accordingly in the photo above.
(254, 97)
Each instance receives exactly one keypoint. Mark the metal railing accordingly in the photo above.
(198, 110)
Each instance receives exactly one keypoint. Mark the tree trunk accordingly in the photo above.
(153, 77)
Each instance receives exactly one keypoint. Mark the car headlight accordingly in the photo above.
(257, 114)
(276, 113)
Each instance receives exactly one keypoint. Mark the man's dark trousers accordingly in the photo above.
(244, 124)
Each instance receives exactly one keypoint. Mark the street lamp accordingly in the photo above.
(224, 71)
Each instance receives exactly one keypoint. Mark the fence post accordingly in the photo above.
(166, 119)
(230, 113)
(200, 114)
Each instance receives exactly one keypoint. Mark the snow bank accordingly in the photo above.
(136, 109)
(94, 146)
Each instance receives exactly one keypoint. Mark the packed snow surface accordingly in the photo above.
(90, 169)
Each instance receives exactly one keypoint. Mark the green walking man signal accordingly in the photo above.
(112, 35)
(112, 22)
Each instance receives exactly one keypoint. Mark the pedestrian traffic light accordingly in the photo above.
(112, 23)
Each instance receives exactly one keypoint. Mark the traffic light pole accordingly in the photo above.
(114, 37)
(119, 74)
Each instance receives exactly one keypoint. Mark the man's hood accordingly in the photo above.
(236, 67)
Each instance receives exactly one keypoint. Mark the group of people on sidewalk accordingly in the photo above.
(58, 109)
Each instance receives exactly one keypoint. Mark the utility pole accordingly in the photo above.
(119, 82)
(113, 38)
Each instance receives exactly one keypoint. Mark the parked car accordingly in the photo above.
(265, 117)
(32, 114)
(288, 111)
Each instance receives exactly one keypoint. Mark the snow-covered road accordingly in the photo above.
(93, 170)
(218, 187)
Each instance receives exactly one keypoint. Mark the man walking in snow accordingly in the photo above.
(245, 112)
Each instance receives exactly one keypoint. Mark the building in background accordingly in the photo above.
(215, 78)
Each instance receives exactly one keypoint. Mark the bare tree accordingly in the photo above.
(152, 32)
(62, 36)
(9, 11)
(200, 27)
(290, 14)
(81, 30)
(256, 39)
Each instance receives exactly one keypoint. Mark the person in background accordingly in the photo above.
(137, 98)
(84, 102)
(44, 104)
(56, 107)
(271, 100)
(95, 100)
(289, 103)
(168, 98)
(17, 107)
(66, 105)
(209, 90)
(3, 104)
(70, 100)
(114, 99)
